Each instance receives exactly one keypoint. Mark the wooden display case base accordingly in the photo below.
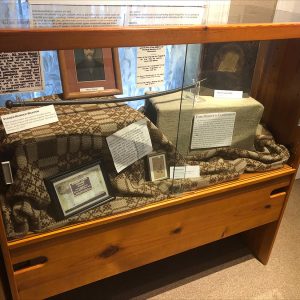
(57, 261)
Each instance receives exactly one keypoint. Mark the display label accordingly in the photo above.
(129, 144)
(150, 66)
(81, 186)
(20, 72)
(184, 172)
(30, 118)
(91, 90)
(212, 130)
(192, 171)
(227, 94)
(92, 13)
(177, 172)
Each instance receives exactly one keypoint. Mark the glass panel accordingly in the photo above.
(81, 135)
(218, 131)
(174, 64)
(49, 14)
(43, 14)
(204, 132)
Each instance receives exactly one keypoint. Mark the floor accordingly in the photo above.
(221, 270)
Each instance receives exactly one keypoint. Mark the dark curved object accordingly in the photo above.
(11, 104)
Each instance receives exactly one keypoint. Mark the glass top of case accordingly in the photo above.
(91, 13)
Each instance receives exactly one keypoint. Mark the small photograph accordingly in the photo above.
(89, 64)
(157, 166)
(79, 189)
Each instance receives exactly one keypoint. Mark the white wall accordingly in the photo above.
(298, 174)
(287, 11)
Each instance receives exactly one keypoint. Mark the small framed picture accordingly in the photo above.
(157, 166)
(90, 72)
(79, 189)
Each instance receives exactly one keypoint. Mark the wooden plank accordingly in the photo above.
(7, 260)
(246, 180)
(261, 240)
(277, 86)
(84, 257)
(109, 37)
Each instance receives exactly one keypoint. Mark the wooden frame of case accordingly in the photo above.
(251, 206)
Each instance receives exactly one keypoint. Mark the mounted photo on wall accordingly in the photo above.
(90, 73)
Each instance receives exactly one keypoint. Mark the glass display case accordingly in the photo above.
(183, 139)
(205, 131)
(122, 135)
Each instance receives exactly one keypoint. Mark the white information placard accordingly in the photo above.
(92, 89)
(212, 130)
(150, 66)
(192, 171)
(129, 144)
(20, 72)
(30, 118)
(227, 94)
(177, 172)
(183, 172)
(92, 13)
(179, 13)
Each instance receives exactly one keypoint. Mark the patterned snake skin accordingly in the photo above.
(80, 137)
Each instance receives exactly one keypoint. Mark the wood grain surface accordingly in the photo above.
(83, 257)
(109, 37)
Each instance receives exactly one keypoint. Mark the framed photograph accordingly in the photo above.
(79, 189)
(227, 66)
(157, 166)
(90, 72)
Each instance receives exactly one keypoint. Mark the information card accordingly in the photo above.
(20, 72)
(213, 130)
(129, 144)
(150, 66)
(94, 13)
(227, 94)
(183, 172)
(30, 118)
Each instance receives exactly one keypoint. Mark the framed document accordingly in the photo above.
(157, 166)
(227, 66)
(79, 189)
(90, 72)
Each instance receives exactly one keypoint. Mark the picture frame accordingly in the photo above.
(90, 72)
(227, 66)
(157, 166)
(79, 189)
